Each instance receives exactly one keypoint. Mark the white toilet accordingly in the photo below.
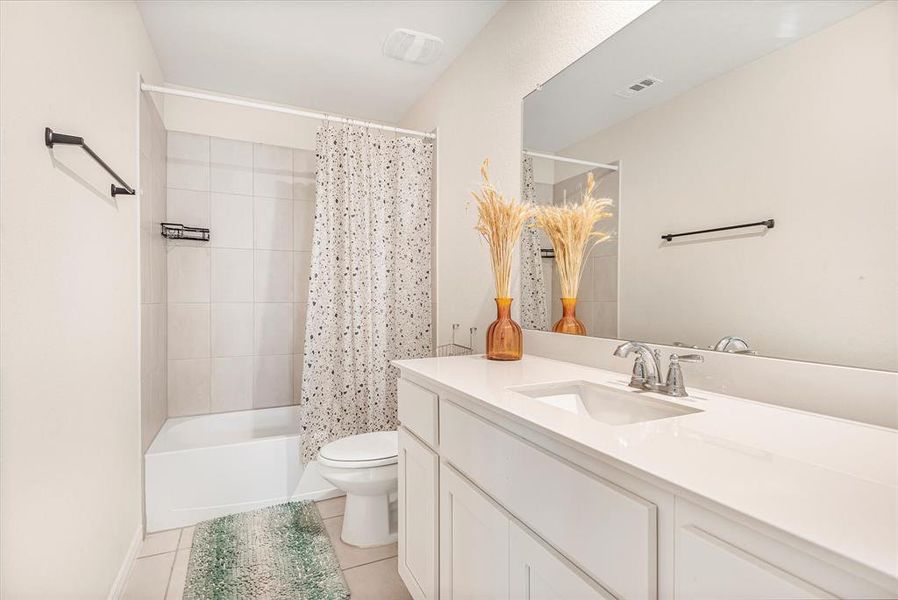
(364, 466)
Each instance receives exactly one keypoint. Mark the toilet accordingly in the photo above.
(365, 467)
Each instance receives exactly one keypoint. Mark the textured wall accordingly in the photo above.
(70, 294)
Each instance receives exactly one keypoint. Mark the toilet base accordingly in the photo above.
(369, 521)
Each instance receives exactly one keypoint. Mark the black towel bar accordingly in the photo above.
(51, 137)
(768, 224)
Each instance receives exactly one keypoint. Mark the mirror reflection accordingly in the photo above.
(749, 149)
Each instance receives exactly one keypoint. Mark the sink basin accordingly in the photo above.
(602, 403)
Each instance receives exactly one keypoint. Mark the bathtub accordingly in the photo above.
(206, 466)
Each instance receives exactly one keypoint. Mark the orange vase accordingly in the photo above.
(569, 323)
(504, 338)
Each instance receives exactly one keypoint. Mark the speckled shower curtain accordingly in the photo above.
(369, 286)
(534, 301)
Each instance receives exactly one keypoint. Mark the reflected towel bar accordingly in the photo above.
(51, 137)
(768, 224)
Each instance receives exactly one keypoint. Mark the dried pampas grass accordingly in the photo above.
(500, 223)
(570, 227)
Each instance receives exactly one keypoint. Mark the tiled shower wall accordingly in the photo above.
(153, 405)
(237, 304)
(597, 298)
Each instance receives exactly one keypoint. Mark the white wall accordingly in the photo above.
(239, 123)
(805, 135)
(477, 106)
(69, 303)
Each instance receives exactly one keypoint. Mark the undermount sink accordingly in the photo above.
(603, 403)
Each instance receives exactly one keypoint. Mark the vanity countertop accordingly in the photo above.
(828, 481)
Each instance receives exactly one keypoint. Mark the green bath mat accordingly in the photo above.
(276, 552)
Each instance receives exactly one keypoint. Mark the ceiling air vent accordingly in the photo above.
(637, 87)
(412, 46)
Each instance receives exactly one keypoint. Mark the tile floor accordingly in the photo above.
(161, 569)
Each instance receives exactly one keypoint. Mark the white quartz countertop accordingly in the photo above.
(830, 482)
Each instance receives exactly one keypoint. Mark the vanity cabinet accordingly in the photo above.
(537, 572)
(492, 510)
(418, 498)
(473, 542)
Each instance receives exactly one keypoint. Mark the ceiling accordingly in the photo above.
(318, 55)
(684, 43)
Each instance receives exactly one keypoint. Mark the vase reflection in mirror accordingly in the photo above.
(569, 323)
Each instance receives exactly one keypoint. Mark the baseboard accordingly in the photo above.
(118, 586)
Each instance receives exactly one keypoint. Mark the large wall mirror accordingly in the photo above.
(710, 114)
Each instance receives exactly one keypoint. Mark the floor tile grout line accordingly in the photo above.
(157, 554)
(369, 563)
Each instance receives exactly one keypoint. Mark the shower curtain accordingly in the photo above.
(534, 304)
(369, 286)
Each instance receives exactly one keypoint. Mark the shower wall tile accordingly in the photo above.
(232, 221)
(272, 276)
(237, 310)
(188, 161)
(272, 171)
(304, 165)
(232, 329)
(232, 275)
(303, 225)
(188, 207)
(232, 384)
(299, 327)
(272, 381)
(297, 378)
(231, 168)
(605, 319)
(605, 278)
(273, 224)
(273, 328)
(302, 265)
(153, 273)
(188, 331)
(188, 274)
(188, 387)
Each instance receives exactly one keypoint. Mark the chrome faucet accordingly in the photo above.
(732, 343)
(642, 379)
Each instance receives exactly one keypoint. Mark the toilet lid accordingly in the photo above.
(363, 450)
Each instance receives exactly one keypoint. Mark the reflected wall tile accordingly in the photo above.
(605, 277)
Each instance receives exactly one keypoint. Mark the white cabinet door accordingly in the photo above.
(709, 568)
(418, 497)
(473, 542)
(539, 573)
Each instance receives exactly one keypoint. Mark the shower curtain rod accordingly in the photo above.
(281, 109)
(575, 161)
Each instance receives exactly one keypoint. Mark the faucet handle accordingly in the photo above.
(689, 358)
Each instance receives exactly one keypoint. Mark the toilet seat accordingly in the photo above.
(362, 451)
